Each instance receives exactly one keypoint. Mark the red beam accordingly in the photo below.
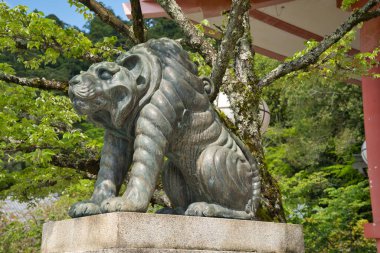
(289, 28)
(217, 35)
(256, 4)
(282, 25)
(269, 53)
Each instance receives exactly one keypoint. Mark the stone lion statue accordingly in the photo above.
(158, 119)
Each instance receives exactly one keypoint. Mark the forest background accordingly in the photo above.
(47, 150)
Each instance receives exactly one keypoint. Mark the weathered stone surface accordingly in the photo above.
(140, 232)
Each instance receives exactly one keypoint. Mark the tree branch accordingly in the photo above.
(21, 43)
(109, 18)
(137, 19)
(196, 41)
(240, 88)
(244, 60)
(372, 14)
(233, 32)
(35, 82)
(89, 165)
(311, 57)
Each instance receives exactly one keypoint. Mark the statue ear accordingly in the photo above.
(137, 67)
(209, 86)
(123, 105)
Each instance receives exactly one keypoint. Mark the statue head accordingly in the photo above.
(109, 91)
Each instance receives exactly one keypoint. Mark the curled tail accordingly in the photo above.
(208, 86)
(254, 203)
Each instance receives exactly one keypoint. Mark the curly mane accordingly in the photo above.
(170, 53)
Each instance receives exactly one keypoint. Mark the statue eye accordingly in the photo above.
(105, 74)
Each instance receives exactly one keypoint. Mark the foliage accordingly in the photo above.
(337, 223)
(317, 126)
(337, 63)
(98, 31)
(163, 27)
(25, 236)
(37, 129)
(37, 40)
(203, 68)
(18, 236)
(62, 70)
(346, 4)
(82, 9)
(311, 124)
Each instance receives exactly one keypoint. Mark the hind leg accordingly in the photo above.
(225, 178)
(176, 189)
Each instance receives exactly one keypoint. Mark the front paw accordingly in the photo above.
(113, 205)
(84, 208)
(120, 204)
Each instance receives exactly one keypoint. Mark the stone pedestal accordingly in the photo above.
(140, 232)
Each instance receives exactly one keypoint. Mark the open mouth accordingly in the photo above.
(80, 106)
(86, 106)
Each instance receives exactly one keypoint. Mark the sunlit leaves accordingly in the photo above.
(82, 9)
(338, 222)
(35, 128)
(346, 4)
(6, 68)
(338, 62)
(37, 40)
(203, 68)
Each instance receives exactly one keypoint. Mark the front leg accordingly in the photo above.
(152, 132)
(114, 163)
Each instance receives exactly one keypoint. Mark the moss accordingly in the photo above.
(271, 208)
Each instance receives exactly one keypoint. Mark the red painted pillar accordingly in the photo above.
(369, 39)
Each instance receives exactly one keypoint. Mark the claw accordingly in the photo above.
(113, 205)
(84, 208)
